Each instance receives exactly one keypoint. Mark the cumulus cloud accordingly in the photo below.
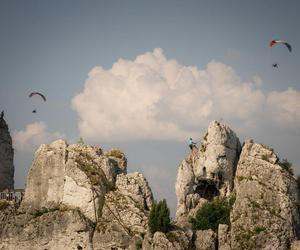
(158, 98)
(34, 135)
(285, 107)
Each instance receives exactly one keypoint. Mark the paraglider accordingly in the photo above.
(37, 94)
(274, 42)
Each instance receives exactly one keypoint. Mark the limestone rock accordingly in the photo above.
(206, 240)
(135, 186)
(295, 245)
(184, 186)
(223, 237)
(51, 230)
(77, 176)
(6, 157)
(124, 215)
(217, 157)
(265, 213)
(209, 172)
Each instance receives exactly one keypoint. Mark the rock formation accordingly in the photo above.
(78, 197)
(209, 172)
(265, 212)
(6, 157)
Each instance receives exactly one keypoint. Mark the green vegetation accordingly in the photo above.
(159, 217)
(43, 210)
(117, 153)
(139, 244)
(267, 147)
(87, 164)
(212, 214)
(3, 204)
(265, 157)
(257, 230)
(80, 141)
(285, 164)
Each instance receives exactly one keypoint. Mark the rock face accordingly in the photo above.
(206, 240)
(51, 230)
(78, 197)
(124, 217)
(76, 176)
(6, 157)
(265, 213)
(209, 172)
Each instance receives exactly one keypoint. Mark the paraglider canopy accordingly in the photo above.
(37, 93)
(273, 42)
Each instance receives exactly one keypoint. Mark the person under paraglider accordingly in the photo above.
(37, 94)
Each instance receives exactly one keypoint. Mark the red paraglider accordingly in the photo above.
(273, 42)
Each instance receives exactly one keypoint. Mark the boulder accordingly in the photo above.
(206, 240)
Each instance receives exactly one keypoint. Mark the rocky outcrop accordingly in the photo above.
(78, 197)
(206, 240)
(265, 213)
(175, 240)
(124, 216)
(6, 157)
(77, 176)
(209, 171)
(52, 230)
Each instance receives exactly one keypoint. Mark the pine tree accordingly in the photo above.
(159, 217)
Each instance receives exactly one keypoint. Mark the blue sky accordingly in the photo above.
(51, 46)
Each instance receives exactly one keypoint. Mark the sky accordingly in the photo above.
(144, 76)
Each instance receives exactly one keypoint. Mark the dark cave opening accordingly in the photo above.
(207, 189)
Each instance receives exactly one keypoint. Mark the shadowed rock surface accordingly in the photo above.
(6, 157)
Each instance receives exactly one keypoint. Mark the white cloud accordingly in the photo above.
(158, 98)
(285, 107)
(33, 136)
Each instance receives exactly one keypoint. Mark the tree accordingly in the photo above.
(159, 217)
(212, 214)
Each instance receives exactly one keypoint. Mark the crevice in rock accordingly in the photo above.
(207, 189)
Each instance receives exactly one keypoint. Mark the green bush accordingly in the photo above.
(159, 217)
(285, 164)
(212, 214)
(117, 153)
(3, 204)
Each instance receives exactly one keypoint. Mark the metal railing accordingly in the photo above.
(12, 195)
